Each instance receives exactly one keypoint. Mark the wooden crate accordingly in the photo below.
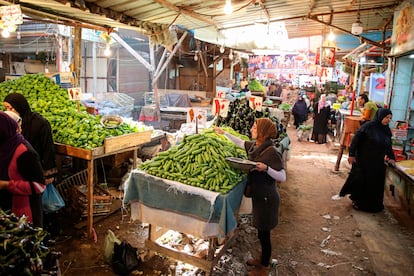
(112, 144)
(102, 200)
(66, 186)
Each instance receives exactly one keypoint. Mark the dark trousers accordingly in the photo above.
(264, 237)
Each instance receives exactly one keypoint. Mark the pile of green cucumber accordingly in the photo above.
(199, 160)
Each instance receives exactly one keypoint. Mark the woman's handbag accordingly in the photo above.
(51, 199)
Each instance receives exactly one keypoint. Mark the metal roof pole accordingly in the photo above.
(132, 51)
(160, 69)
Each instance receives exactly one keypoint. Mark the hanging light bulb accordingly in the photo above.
(331, 36)
(228, 9)
(107, 51)
(18, 35)
(5, 33)
(222, 49)
(195, 56)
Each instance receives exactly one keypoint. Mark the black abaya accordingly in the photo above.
(365, 183)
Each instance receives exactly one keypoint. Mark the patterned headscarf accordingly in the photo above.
(266, 129)
(9, 141)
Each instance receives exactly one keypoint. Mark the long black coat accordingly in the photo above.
(320, 122)
(365, 184)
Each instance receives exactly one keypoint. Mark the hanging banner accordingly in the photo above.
(402, 39)
(324, 73)
(256, 103)
(377, 87)
(325, 57)
(220, 107)
(11, 15)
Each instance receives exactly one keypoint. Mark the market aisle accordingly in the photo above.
(318, 235)
(390, 253)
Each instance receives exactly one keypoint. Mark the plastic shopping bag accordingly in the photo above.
(52, 201)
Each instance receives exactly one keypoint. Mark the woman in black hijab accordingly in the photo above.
(370, 145)
(36, 130)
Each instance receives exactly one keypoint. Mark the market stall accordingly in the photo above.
(113, 146)
(191, 210)
(399, 183)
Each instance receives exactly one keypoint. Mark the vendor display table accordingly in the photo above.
(401, 186)
(175, 206)
(124, 143)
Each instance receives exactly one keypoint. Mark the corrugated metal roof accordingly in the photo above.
(208, 21)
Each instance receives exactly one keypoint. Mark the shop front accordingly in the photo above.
(399, 180)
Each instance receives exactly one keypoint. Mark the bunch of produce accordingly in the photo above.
(25, 250)
(241, 118)
(70, 126)
(199, 160)
(305, 127)
(285, 107)
(255, 85)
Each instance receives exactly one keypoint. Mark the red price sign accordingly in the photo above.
(256, 103)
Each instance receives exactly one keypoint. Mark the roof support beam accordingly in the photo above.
(372, 42)
(190, 13)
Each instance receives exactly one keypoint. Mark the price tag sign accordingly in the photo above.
(221, 94)
(220, 107)
(75, 93)
(256, 103)
(199, 115)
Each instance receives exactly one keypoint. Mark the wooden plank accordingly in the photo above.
(200, 263)
(112, 144)
(78, 152)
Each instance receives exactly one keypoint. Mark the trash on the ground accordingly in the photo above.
(327, 216)
(326, 229)
(357, 233)
(325, 241)
(327, 266)
(335, 197)
(358, 267)
(331, 252)
(336, 217)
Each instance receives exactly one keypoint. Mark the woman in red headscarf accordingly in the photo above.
(265, 197)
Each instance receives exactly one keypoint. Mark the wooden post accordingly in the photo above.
(90, 196)
(77, 59)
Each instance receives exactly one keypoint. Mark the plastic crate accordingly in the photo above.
(65, 187)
